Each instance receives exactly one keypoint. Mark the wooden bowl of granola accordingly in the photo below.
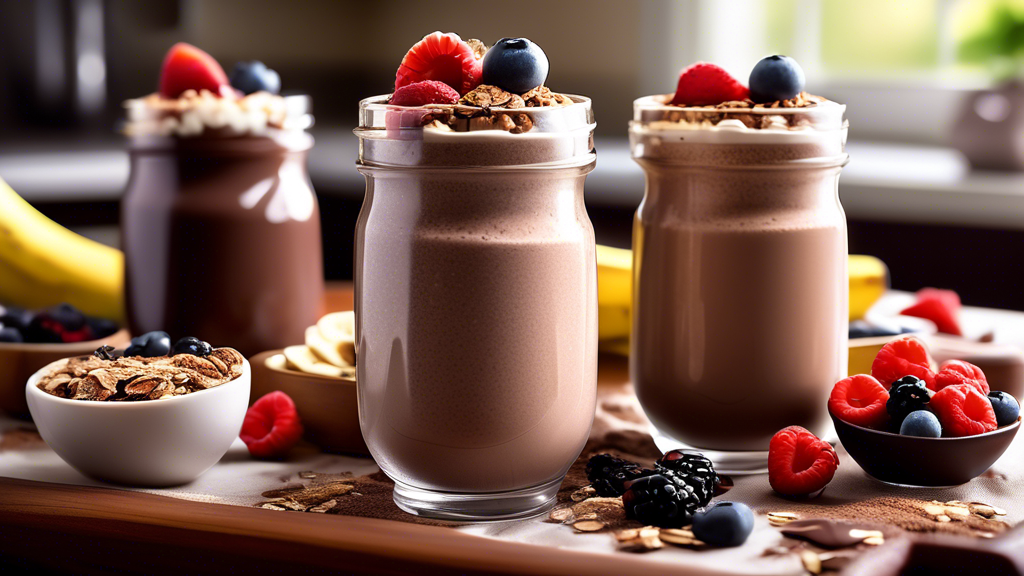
(19, 361)
(327, 405)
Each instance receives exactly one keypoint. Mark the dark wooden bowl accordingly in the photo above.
(923, 462)
(19, 361)
(328, 406)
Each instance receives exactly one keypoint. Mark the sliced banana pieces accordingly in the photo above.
(329, 349)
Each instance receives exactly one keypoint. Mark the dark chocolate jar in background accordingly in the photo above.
(220, 230)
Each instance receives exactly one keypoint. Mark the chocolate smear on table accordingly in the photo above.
(21, 439)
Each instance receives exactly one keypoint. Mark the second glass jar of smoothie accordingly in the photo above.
(220, 229)
(476, 307)
(740, 286)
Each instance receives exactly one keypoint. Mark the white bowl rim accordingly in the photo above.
(32, 388)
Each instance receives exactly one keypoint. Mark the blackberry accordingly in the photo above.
(656, 501)
(908, 394)
(692, 472)
(608, 474)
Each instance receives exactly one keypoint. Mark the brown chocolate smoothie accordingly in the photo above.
(221, 232)
(476, 313)
(740, 288)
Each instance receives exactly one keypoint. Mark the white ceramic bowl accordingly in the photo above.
(146, 443)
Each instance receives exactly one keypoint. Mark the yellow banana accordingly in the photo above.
(42, 263)
(868, 282)
(869, 279)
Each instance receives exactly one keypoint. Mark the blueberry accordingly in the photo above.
(192, 345)
(515, 64)
(1006, 407)
(14, 317)
(10, 334)
(254, 76)
(101, 327)
(921, 423)
(776, 78)
(724, 524)
(150, 344)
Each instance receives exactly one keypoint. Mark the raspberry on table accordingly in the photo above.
(954, 372)
(963, 411)
(800, 463)
(271, 426)
(860, 400)
(901, 357)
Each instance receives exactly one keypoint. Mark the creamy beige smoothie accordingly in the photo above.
(740, 287)
(476, 311)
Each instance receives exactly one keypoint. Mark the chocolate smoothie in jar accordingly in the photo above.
(740, 285)
(475, 288)
(220, 225)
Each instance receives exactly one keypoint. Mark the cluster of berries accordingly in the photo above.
(773, 78)
(443, 67)
(904, 395)
(675, 493)
(186, 67)
(56, 325)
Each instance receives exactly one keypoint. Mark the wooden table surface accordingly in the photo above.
(95, 530)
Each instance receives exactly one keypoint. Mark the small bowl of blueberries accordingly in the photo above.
(31, 339)
(911, 425)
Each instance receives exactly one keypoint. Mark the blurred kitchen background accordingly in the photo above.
(929, 84)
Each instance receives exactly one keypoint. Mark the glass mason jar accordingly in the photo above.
(221, 236)
(740, 312)
(476, 307)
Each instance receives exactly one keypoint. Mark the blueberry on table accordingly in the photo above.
(724, 524)
(921, 423)
(10, 334)
(254, 76)
(776, 78)
(192, 345)
(1005, 406)
(150, 345)
(515, 64)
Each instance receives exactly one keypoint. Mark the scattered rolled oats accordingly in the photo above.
(561, 514)
(583, 493)
(679, 537)
(588, 525)
(811, 561)
(781, 518)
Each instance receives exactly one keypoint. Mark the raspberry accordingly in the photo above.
(955, 372)
(271, 426)
(704, 84)
(799, 463)
(904, 356)
(859, 400)
(188, 68)
(442, 57)
(939, 312)
(948, 297)
(425, 92)
(963, 411)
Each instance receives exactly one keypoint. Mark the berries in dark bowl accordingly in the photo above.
(59, 324)
(908, 394)
(1005, 406)
(921, 423)
(515, 64)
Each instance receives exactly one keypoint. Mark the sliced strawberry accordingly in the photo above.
(860, 400)
(425, 92)
(271, 426)
(939, 312)
(901, 357)
(704, 84)
(189, 68)
(956, 372)
(963, 411)
(442, 57)
(800, 463)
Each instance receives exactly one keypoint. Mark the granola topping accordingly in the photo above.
(197, 113)
(136, 378)
(745, 113)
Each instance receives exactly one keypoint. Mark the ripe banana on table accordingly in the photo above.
(43, 264)
(869, 279)
(329, 349)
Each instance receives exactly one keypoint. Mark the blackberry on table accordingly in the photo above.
(608, 474)
(656, 501)
(692, 472)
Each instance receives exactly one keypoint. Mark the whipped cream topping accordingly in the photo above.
(198, 113)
